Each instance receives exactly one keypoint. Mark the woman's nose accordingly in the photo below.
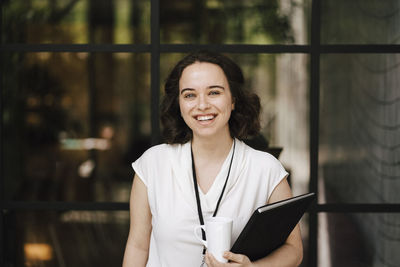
(203, 103)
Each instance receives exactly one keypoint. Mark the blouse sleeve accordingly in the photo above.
(138, 168)
(276, 174)
(144, 165)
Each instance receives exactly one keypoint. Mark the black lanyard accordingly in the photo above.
(196, 190)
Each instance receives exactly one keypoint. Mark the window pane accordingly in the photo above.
(68, 238)
(359, 153)
(360, 22)
(234, 22)
(71, 21)
(281, 81)
(358, 240)
(73, 123)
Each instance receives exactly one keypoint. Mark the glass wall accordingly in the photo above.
(358, 239)
(66, 238)
(73, 123)
(76, 21)
(360, 22)
(359, 133)
(81, 82)
(233, 22)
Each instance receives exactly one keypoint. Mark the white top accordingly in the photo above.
(166, 170)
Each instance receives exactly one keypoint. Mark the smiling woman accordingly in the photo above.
(203, 166)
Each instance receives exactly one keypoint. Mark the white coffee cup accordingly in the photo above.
(218, 233)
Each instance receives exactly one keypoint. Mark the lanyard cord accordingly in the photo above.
(196, 190)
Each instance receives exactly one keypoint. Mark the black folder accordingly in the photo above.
(270, 225)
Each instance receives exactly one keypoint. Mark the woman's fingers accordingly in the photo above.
(234, 260)
(213, 262)
(237, 258)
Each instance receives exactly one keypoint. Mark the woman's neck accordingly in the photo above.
(212, 148)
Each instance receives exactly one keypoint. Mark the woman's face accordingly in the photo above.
(205, 99)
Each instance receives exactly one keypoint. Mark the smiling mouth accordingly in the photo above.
(205, 117)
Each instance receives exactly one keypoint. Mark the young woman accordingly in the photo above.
(203, 170)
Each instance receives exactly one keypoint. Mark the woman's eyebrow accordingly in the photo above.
(216, 86)
(209, 87)
(186, 89)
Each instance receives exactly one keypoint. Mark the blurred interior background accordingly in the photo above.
(81, 83)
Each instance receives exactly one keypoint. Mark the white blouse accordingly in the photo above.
(166, 170)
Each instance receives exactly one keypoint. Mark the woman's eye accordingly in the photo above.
(189, 96)
(214, 93)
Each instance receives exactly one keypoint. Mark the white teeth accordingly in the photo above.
(205, 118)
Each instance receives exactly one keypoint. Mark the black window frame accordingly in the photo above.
(314, 49)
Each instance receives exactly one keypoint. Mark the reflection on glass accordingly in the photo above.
(38, 252)
(67, 238)
(360, 22)
(238, 21)
(358, 240)
(73, 123)
(360, 128)
(281, 82)
(76, 21)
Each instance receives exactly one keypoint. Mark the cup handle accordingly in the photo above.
(196, 230)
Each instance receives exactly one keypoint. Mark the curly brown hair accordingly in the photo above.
(245, 118)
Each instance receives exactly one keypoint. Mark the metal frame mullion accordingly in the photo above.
(235, 48)
(358, 208)
(359, 49)
(185, 48)
(132, 48)
(155, 70)
(314, 128)
(2, 217)
(60, 205)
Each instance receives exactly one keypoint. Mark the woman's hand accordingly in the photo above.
(234, 260)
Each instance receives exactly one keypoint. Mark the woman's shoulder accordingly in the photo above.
(155, 157)
(157, 149)
(264, 163)
(161, 150)
(258, 155)
(261, 160)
